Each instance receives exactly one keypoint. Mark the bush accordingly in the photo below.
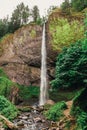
(5, 86)
(64, 33)
(82, 121)
(79, 110)
(7, 109)
(28, 92)
(56, 111)
(71, 66)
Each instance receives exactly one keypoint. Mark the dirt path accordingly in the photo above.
(67, 111)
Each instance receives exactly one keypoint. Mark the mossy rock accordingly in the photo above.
(24, 109)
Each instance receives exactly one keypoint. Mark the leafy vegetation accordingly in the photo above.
(79, 109)
(21, 15)
(56, 111)
(66, 7)
(62, 95)
(7, 109)
(28, 92)
(5, 84)
(25, 92)
(64, 33)
(71, 66)
(33, 33)
(35, 13)
(78, 5)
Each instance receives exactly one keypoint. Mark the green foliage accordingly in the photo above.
(24, 109)
(5, 84)
(82, 121)
(62, 95)
(3, 26)
(56, 111)
(85, 25)
(78, 5)
(79, 109)
(19, 17)
(51, 9)
(7, 109)
(33, 33)
(35, 13)
(65, 33)
(79, 102)
(39, 21)
(2, 73)
(66, 7)
(28, 92)
(71, 66)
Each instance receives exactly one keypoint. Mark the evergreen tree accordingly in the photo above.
(79, 5)
(19, 17)
(3, 26)
(66, 7)
(35, 13)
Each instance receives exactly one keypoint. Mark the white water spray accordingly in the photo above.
(43, 87)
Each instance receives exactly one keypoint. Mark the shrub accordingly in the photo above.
(64, 33)
(28, 92)
(56, 111)
(5, 86)
(79, 109)
(71, 66)
(7, 109)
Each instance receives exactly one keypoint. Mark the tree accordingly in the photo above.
(3, 26)
(35, 13)
(71, 67)
(66, 7)
(79, 5)
(51, 8)
(20, 16)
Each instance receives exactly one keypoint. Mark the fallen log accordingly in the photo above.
(9, 123)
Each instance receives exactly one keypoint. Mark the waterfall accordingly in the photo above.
(43, 87)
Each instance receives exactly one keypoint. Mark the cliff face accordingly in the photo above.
(20, 55)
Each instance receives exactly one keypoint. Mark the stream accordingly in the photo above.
(33, 120)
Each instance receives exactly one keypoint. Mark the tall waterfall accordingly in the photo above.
(43, 87)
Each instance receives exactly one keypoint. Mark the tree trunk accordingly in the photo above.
(9, 123)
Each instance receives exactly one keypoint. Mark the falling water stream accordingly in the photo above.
(43, 87)
(28, 119)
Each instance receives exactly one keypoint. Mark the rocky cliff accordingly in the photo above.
(20, 55)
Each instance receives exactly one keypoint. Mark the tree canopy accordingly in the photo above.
(79, 5)
(71, 66)
(64, 33)
(35, 13)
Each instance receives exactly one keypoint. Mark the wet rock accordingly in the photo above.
(45, 128)
(24, 117)
(38, 119)
(53, 128)
(43, 121)
(50, 102)
(53, 124)
(20, 124)
(40, 108)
